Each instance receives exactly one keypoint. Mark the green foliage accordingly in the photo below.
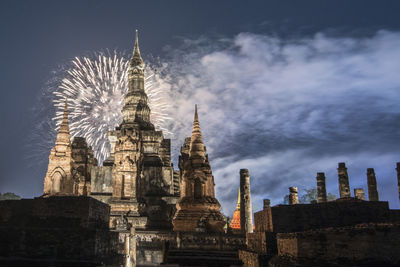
(286, 200)
(9, 196)
(309, 196)
(331, 197)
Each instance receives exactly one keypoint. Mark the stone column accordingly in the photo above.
(268, 215)
(293, 198)
(267, 203)
(372, 186)
(398, 176)
(127, 252)
(132, 243)
(344, 188)
(246, 215)
(321, 187)
(359, 193)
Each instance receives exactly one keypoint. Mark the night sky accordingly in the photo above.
(285, 88)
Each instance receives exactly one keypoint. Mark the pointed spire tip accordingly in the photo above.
(196, 116)
(136, 51)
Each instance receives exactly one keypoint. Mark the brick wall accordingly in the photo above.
(55, 211)
(59, 231)
(301, 217)
(263, 220)
(366, 242)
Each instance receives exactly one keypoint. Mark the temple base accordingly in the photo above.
(198, 217)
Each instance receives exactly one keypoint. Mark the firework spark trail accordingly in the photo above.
(95, 88)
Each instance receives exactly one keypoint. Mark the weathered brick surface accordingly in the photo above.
(257, 242)
(263, 220)
(74, 211)
(367, 242)
(252, 259)
(342, 232)
(55, 231)
(301, 217)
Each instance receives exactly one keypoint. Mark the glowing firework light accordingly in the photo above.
(95, 88)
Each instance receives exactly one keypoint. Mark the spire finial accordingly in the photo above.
(196, 116)
(136, 57)
(136, 51)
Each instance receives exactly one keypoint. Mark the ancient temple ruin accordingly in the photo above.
(197, 208)
(156, 214)
(68, 172)
(348, 231)
(145, 194)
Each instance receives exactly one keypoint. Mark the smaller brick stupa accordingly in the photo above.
(198, 210)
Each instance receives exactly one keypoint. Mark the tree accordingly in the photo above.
(331, 197)
(9, 196)
(310, 195)
(286, 200)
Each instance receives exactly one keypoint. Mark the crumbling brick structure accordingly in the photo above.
(346, 232)
(197, 209)
(56, 231)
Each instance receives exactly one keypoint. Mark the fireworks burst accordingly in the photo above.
(95, 88)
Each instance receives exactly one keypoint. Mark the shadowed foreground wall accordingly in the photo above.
(374, 242)
(55, 231)
(345, 232)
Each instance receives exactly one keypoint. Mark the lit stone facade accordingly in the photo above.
(58, 179)
(137, 179)
(139, 183)
(68, 172)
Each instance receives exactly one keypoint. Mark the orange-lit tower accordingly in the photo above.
(235, 224)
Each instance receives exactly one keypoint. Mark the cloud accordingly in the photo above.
(286, 109)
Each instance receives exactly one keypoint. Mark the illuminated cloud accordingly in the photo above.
(287, 109)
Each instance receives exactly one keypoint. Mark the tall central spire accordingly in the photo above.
(136, 109)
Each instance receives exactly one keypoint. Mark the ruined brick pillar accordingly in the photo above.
(246, 215)
(267, 203)
(344, 188)
(398, 176)
(293, 198)
(268, 217)
(359, 193)
(372, 186)
(321, 187)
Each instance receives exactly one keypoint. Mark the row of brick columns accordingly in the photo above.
(344, 188)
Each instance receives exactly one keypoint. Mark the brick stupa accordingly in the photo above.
(198, 210)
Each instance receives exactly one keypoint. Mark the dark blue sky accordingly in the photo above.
(39, 36)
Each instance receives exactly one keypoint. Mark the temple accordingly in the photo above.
(135, 209)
